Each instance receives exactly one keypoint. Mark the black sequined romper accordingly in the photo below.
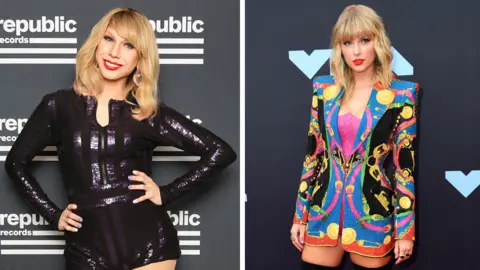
(95, 163)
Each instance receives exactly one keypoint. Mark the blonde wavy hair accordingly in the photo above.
(135, 27)
(357, 21)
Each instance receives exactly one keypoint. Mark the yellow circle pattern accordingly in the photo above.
(350, 189)
(385, 97)
(332, 231)
(303, 187)
(349, 235)
(315, 102)
(330, 92)
(387, 240)
(407, 112)
(405, 202)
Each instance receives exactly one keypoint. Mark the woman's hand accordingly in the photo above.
(297, 234)
(68, 220)
(152, 191)
(403, 250)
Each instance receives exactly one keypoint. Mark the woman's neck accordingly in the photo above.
(113, 90)
(364, 79)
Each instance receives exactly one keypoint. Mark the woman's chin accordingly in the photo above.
(107, 76)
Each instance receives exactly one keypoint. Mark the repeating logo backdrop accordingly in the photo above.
(198, 45)
(435, 44)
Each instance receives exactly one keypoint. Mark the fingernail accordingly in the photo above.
(134, 171)
(130, 177)
(80, 219)
(129, 187)
(79, 225)
(134, 201)
(76, 229)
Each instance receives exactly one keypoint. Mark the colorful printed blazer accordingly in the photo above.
(377, 209)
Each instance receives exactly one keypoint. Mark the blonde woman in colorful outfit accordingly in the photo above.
(363, 120)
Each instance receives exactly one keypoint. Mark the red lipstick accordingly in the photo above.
(111, 65)
(358, 62)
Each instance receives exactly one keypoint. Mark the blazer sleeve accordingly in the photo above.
(37, 133)
(404, 145)
(313, 148)
(179, 131)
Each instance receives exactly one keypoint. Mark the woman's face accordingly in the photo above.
(116, 57)
(359, 53)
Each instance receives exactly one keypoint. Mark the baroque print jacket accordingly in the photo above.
(378, 207)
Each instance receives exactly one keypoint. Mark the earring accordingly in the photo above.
(137, 78)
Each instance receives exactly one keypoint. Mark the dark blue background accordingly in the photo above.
(441, 40)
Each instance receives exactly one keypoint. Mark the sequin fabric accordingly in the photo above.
(347, 129)
(95, 162)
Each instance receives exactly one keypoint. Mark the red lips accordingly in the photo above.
(111, 65)
(358, 62)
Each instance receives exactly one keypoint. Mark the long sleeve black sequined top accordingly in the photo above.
(95, 161)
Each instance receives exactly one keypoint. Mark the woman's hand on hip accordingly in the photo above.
(68, 220)
(297, 234)
(152, 191)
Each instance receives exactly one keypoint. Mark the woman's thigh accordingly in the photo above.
(370, 262)
(165, 265)
(325, 256)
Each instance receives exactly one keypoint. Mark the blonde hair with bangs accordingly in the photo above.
(135, 27)
(357, 21)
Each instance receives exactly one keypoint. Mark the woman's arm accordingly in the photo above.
(314, 147)
(36, 134)
(179, 131)
(404, 146)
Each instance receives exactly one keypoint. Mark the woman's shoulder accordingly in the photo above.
(60, 95)
(165, 111)
(406, 91)
(321, 83)
(397, 84)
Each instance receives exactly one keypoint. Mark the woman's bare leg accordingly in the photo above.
(165, 265)
(325, 256)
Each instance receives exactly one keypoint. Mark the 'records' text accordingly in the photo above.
(183, 218)
(21, 221)
(183, 25)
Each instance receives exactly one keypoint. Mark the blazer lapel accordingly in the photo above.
(332, 96)
(378, 103)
